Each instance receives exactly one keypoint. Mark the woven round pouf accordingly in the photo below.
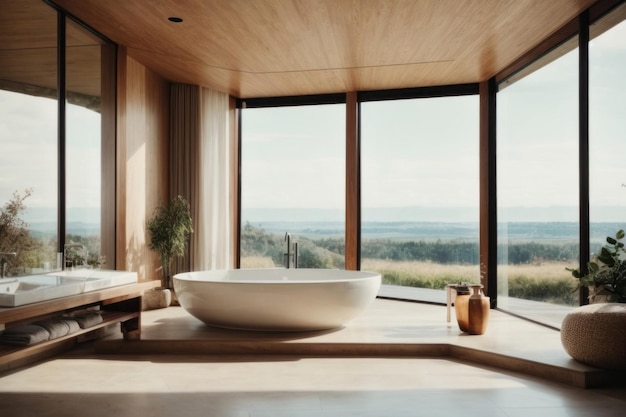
(595, 334)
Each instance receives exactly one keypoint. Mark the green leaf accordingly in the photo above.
(620, 234)
(606, 257)
(575, 273)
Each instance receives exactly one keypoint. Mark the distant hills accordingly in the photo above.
(80, 221)
(397, 222)
(437, 214)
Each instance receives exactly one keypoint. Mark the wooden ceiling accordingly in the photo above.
(261, 48)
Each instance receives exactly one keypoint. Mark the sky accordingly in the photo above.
(414, 152)
(28, 154)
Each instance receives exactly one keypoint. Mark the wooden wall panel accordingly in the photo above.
(142, 165)
(352, 182)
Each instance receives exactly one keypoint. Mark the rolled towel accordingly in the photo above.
(56, 327)
(72, 324)
(28, 334)
(88, 320)
(82, 312)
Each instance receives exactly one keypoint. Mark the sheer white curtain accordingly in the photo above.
(214, 231)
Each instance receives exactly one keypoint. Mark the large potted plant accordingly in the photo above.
(169, 229)
(606, 274)
(594, 334)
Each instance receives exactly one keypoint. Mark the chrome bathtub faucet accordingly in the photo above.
(291, 254)
(68, 261)
(4, 260)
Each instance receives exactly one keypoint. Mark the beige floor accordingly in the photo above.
(399, 359)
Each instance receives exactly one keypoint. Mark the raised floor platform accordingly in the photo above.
(388, 328)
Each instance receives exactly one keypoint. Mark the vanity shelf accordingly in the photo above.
(121, 304)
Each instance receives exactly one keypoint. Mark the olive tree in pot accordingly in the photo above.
(169, 229)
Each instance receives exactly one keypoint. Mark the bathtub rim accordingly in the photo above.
(353, 276)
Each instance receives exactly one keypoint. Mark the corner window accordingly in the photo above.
(537, 188)
(420, 188)
(607, 143)
(292, 181)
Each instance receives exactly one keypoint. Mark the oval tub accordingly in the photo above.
(276, 299)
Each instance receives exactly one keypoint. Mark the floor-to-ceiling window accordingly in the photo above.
(607, 128)
(419, 190)
(28, 139)
(292, 181)
(86, 54)
(537, 186)
(38, 196)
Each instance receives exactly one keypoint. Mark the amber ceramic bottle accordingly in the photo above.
(478, 311)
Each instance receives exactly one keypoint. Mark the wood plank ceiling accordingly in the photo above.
(261, 48)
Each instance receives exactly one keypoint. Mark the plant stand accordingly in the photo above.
(155, 298)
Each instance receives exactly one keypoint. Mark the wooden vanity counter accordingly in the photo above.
(120, 304)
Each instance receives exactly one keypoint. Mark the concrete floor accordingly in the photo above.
(398, 359)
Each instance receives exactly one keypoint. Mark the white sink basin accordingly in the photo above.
(31, 289)
(96, 279)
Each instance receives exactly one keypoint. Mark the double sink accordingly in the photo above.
(34, 288)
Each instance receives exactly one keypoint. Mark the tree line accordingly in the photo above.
(329, 252)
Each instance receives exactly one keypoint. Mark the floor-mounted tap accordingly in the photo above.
(67, 260)
(292, 252)
(4, 260)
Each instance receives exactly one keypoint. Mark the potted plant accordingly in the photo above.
(607, 271)
(169, 229)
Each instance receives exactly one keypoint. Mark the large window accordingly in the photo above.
(607, 127)
(419, 224)
(38, 196)
(28, 139)
(88, 166)
(537, 187)
(292, 181)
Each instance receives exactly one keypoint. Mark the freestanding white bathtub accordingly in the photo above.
(276, 299)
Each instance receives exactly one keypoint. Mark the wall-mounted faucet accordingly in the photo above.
(291, 254)
(68, 262)
(4, 260)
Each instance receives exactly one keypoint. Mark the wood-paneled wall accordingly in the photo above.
(142, 162)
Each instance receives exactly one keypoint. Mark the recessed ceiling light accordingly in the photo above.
(175, 19)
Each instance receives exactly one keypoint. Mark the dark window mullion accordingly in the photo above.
(583, 132)
(61, 82)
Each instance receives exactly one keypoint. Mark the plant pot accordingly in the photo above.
(594, 334)
(599, 295)
(174, 301)
(154, 298)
